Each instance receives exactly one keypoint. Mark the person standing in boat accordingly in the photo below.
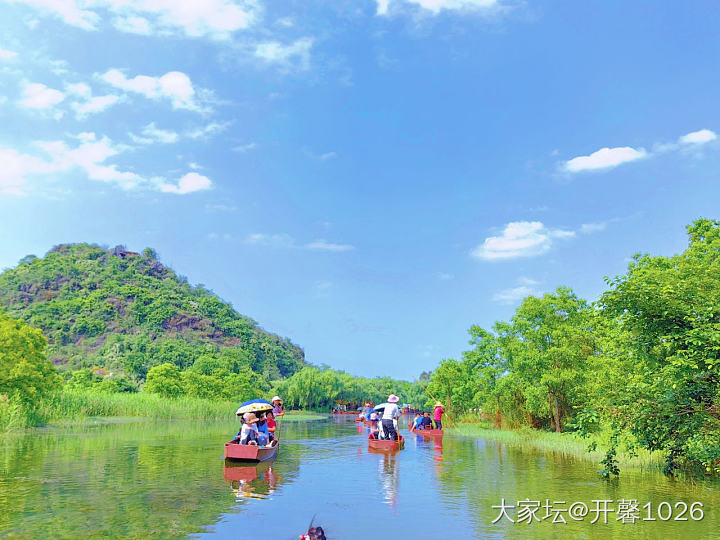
(390, 413)
(437, 415)
(278, 409)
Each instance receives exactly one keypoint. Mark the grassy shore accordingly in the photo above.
(565, 444)
(70, 406)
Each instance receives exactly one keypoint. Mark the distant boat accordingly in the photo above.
(250, 453)
(386, 445)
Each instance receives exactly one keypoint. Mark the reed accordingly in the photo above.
(77, 405)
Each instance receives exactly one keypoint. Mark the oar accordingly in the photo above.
(436, 400)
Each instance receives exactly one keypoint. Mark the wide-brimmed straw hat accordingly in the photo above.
(276, 398)
(438, 404)
(393, 398)
(249, 416)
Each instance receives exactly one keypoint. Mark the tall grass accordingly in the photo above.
(566, 444)
(78, 405)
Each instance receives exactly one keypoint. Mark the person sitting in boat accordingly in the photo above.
(278, 409)
(263, 435)
(415, 424)
(271, 424)
(249, 431)
(425, 422)
(437, 415)
(389, 416)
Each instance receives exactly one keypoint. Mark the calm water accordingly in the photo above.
(139, 479)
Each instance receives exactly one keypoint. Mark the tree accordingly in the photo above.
(164, 380)
(547, 345)
(26, 375)
(670, 308)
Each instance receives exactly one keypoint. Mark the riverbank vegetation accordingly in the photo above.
(87, 331)
(641, 364)
(567, 444)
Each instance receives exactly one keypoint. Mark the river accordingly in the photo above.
(135, 479)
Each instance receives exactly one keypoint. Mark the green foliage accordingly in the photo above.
(313, 388)
(126, 312)
(165, 380)
(26, 375)
(670, 309)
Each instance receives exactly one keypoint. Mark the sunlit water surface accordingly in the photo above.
(139, 479)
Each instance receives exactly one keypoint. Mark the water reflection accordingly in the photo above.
(256, 481)
(389, 477)
(164, 479)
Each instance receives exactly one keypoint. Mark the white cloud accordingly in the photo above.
(67, 10)
(605, 158)
(79, 89)
(245, 147)
(285, 240)
(133, 25)
(189, 183)
(90, 155)
(322, 245)
(588, 228)
(152, 134)
(382, 7)
(327, 156)
(436, 6)
(86, 104)
(94, 105)
(296, 54)
(519, 239)
(16, 167)
(514, 294)
(39, 96)
(213, 128)
(444, 276)
(6, 55)
(174, 86)
(216, 19)
(278, 239)
(698, 137)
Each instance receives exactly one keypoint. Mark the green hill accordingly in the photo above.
(125, 312)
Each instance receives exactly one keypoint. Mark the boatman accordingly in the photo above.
(390, 413)
(277, 407)
(438, 411)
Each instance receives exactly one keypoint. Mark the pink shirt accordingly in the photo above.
(438, 414)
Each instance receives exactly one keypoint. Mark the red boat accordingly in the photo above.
(429, 432)
(250, 453)
(385, 445)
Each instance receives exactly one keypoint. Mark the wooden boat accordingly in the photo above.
(250, 453)
(384, 445)
(429, 432)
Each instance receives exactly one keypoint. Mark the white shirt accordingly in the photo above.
(391, 411)
(246, 429)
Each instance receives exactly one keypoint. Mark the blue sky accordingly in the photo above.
(366, 177)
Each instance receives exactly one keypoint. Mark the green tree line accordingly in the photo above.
(641, 364)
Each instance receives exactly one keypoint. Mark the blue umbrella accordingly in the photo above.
(254, 405)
